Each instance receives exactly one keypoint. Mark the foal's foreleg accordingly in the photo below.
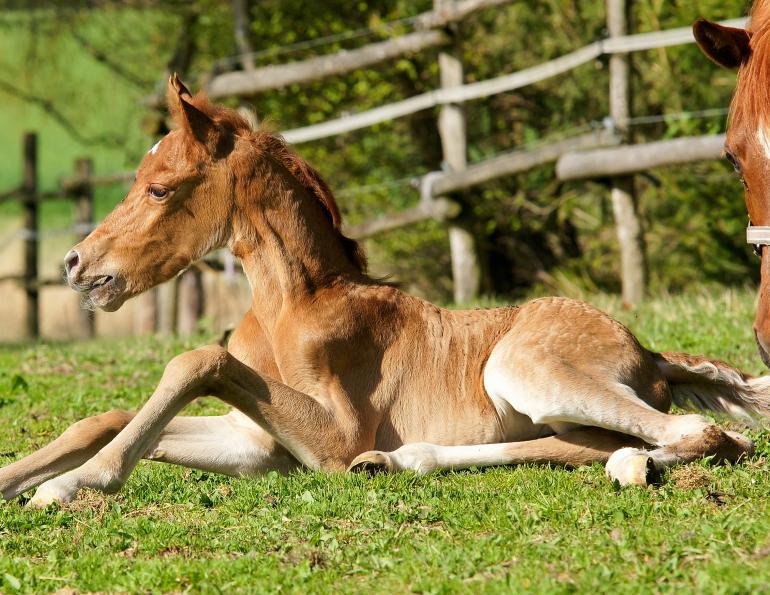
(581, 446)
(75, 446)
(314, 435)
(226, 444)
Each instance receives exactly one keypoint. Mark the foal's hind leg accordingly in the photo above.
(574, 448)
(626, 463)
(616, 407)
(611, 383)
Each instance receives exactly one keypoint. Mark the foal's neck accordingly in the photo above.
(286, 242)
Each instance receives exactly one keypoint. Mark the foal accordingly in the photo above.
(328, 364)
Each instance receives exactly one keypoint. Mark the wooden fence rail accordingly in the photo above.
(631, 159)
(429, 32)
(435, 186)
(450, 96)
(615, 45)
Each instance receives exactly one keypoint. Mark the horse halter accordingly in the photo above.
(758, 236)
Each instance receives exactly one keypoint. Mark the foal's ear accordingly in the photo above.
(727, 46)
(189, 117)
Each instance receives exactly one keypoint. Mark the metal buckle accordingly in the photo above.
(758, 236)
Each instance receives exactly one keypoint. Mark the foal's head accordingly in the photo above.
(187, 199)
(748, 135)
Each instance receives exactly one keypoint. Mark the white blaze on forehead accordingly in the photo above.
(763, 136)
(154, 148)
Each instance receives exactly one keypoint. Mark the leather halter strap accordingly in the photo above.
(758, 236)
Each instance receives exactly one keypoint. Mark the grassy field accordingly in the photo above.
(534, 529)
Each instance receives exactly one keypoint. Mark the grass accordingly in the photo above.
(529, 528)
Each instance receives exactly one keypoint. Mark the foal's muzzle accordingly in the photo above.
(102, 289)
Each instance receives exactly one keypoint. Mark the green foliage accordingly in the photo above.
(529, 528)
(532, 230)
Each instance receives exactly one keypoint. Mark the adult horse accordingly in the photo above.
(329, 364)
(748, 134)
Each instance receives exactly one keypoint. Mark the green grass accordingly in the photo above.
(706, 529)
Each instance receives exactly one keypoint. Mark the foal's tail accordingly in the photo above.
(710, 385)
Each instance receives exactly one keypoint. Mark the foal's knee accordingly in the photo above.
(201, 364)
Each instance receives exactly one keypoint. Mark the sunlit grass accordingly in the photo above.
(530, 528)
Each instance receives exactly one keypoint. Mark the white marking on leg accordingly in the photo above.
(424, 457)
(62, 489)
(678, 427)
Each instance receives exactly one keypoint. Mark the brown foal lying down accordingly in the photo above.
(329, 364)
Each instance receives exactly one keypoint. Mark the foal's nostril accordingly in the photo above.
(71, 261)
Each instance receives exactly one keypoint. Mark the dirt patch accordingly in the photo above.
(690, 477)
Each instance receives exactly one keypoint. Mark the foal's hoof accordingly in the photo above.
(44, 498)
(371, 462)
(631, 466)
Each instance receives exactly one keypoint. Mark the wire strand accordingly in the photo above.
(315, 42)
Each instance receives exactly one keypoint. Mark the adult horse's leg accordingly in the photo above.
(228, 444)
(315, 435)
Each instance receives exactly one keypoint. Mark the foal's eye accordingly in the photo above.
(157, 191)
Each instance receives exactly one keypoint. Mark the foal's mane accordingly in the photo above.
(275, 146)
(752, 94)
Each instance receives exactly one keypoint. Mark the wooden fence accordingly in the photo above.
(437, 188)
(602, 153)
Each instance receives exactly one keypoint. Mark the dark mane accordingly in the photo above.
(304, 173)
(752, 94)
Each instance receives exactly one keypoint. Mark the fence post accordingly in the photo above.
(633, 261)
(191, 300)
(241, 26)
(146, 312)
(168, 306)
(466, 268)
(84, 219)
(30, 206)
